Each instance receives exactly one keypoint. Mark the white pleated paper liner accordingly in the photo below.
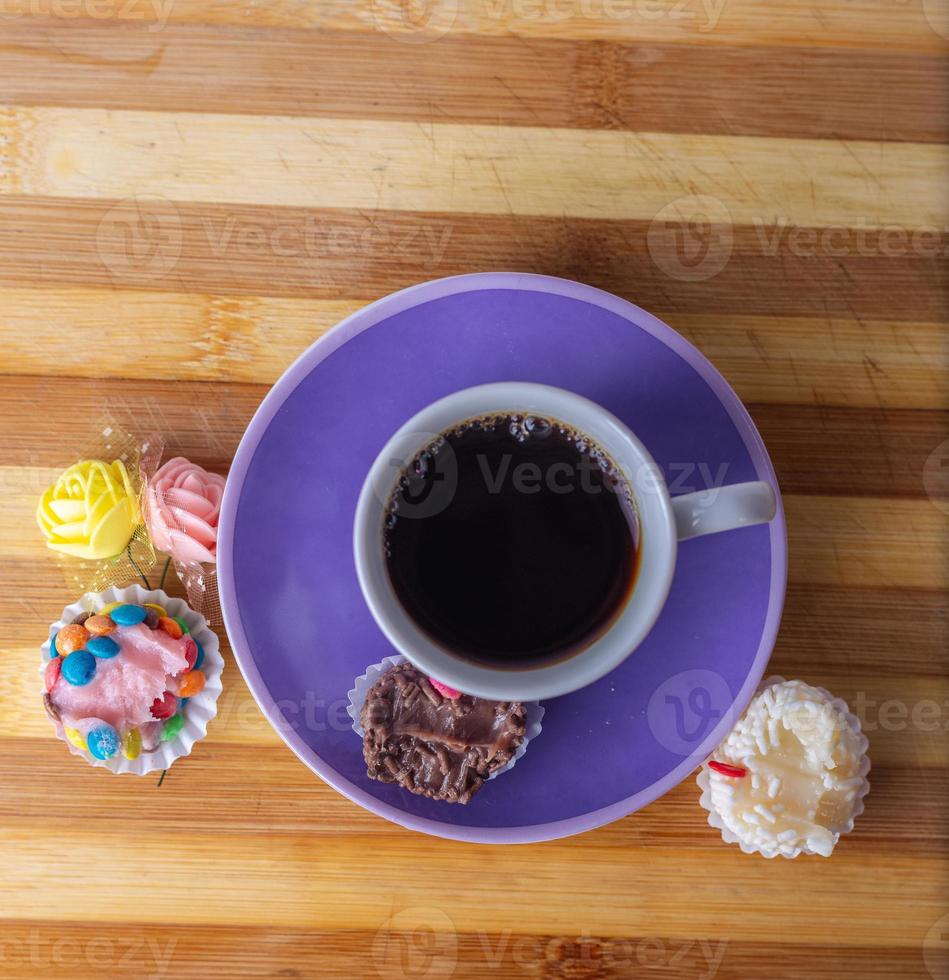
(357, 698)
(715, 819)
(199, 710)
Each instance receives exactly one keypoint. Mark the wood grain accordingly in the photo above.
(489, 80)
(192, 192)
(884, 25)
(770, 268)
(396, 166)
(251, 339)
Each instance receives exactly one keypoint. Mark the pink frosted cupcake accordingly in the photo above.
(131, 679)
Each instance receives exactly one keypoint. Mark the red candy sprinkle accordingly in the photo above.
(444, 690)
(53, 669)
(191, 654)
(164, 707)
(736, 772)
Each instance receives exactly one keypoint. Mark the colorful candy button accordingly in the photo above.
(76, 738)
(79, 668)
(191, 684)
(70, 638)
(444, 690)
(80, 620)
(103, 647)
(106, 610)
(191, 653)
(51, 674)
(158, 610)
(200, 658)
(132, 744)
(103, 741)
(165, 706)
(182, 624)
(170, 627)
(151, 619)
(53, 652)
(127, 615)
(172, 727)
(99, 625)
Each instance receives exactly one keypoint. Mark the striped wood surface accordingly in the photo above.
(191, 191)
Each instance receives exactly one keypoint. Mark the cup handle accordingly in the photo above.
(737, 505)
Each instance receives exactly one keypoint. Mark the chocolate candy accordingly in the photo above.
(79, 668)
(103, 741)
(182, 624)
(81, 619)
(128, 615)
(132, 745)
(170, 627)
(159, 610)
(192, 683)
(151, 619)
(103, 647)
(172, 727)
(165, 706)
(51, 709)
(51, 674)
(99, 625)
(70, 638)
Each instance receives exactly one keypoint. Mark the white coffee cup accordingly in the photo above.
(663, 522)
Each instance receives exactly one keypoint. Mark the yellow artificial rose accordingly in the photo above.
(91, 511)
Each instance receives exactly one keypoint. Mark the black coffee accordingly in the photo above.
(511, 540)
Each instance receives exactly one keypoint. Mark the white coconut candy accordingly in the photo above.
(805, 763)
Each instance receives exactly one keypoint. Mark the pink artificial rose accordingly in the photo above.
(182, 506)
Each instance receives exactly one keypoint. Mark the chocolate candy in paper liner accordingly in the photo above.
(362, 685)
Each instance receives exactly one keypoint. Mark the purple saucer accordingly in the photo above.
(301, 631)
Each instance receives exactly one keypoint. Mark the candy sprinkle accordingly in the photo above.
(735, 772)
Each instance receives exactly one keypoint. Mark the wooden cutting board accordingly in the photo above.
(191, 192)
